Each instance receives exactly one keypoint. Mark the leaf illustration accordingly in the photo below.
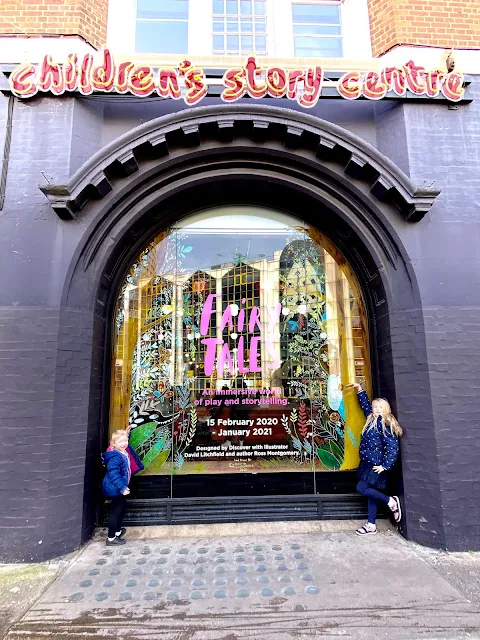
(140, 434)
(336, 451)
(183, 396)
(302, 420)
(297, 444)
(178, 460)
(192, 429)
(285, 424)
(157, 448)
(158, 462)
(328, 459)
(307, 446)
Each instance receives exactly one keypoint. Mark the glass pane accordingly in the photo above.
(219, 6)
(232, 25)
(232, 43)
(326, 14)
(260, 43)
(247, 43)
(171, 9)
(320, 29)
(259, 8)
(318, 47)
(246, 26)
(232, 6)
(161, 37)
(261, 26)
(232, 338)
(218, 26)
(246, 7)
(218, 43)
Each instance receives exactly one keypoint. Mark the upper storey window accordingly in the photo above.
(317, 29)
(161, 27)
(239, 27)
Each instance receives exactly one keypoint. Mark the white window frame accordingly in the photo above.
(122, 20)
(320, 3)
(239, 17)
(280, 44)
(355, 28)
(186, 20)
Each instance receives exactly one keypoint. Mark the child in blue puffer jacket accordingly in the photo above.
(378, 453)
(117, 459)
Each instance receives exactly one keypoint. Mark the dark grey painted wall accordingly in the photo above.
(435, 144)
(49, 407)
(444, 145)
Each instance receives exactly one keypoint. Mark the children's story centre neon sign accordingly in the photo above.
(87, 75)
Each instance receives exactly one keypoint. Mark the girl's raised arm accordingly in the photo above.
(362, 399)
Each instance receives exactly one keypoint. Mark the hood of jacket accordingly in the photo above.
(108, 455)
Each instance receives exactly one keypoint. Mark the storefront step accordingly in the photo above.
(245, 509)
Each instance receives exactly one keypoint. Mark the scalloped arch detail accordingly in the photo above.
(299, 132)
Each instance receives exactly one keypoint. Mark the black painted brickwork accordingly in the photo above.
(52, 345)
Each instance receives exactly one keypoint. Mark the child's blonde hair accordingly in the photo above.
(389, 419)
(116, 435)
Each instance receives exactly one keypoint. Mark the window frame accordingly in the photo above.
(319, 3)
(279, 30)
(162, 20)
(252, 18)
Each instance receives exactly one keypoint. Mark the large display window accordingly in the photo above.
(235, 334)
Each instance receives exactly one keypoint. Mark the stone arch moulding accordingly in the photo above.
(331, 143)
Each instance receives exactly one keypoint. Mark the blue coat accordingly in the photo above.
(377, 446)
(118, 473)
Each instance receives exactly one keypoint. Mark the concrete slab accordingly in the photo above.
(462, 570)
(283, 586)
(21, 585)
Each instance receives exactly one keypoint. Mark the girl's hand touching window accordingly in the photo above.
(356, 386)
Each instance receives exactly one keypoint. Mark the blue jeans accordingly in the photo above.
(374, 497)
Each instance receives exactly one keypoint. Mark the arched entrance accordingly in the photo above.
(252, 156)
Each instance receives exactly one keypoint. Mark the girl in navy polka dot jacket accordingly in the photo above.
(378, 453)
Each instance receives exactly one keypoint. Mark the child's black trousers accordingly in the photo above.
(117, 513)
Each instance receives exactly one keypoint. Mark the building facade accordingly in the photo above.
(215, 215)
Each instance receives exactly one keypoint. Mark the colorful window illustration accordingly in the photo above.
(235, 337)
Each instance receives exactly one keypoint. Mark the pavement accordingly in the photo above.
(278, 581)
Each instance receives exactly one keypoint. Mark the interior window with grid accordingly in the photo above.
(239, 27)
(317, 29)
(162, 27)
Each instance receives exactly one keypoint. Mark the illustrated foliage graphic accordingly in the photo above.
(306, 340)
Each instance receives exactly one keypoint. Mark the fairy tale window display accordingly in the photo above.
(240, 292)
(231, 351)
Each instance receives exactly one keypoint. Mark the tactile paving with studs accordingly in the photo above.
(293, 586)
(186, 570)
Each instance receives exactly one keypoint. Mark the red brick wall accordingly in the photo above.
(436, 23)
(85, 18)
